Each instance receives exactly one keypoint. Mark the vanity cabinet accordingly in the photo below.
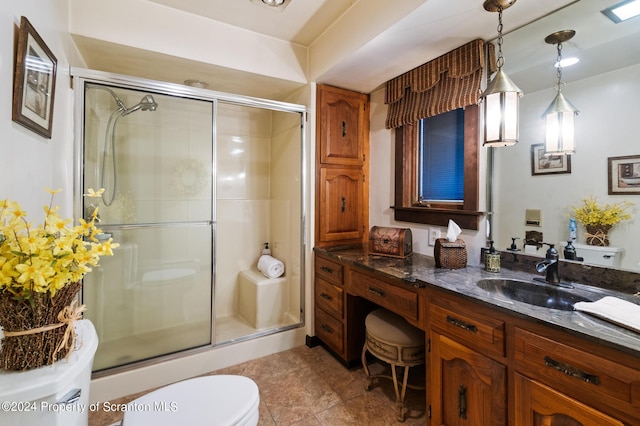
(488, 366)
(344, 295)
(329, 304)
(555, 379)
(540, 405)
(339, 318)
(342, 146)
(467, 386)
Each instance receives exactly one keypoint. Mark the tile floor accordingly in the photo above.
(308, 386)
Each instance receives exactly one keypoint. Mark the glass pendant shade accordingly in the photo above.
(501, 106)
(560, 126)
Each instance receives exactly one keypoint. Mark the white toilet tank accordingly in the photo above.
(597, 255)
(53, 395)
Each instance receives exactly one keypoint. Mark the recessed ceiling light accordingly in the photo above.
(275, 5)
(622, 11)
(196, 83)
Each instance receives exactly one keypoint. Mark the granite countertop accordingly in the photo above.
(419, 271)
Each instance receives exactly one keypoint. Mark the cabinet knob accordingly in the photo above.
(344, 129)
(343, 204)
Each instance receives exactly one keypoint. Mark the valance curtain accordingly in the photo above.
(450, 81)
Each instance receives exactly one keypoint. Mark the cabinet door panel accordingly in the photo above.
(539, 405)
(467, 388)
(341, 204)
(342, 126)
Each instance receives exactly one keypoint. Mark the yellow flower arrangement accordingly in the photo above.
(590, 213)
(46, 258)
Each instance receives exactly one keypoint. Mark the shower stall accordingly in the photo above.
(195, 183)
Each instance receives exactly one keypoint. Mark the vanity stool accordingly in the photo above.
(390, 338)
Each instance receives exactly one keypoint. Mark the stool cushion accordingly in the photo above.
(392, 328)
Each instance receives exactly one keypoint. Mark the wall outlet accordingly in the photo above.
(434, 234)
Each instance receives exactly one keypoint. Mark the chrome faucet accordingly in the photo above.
(550, 265)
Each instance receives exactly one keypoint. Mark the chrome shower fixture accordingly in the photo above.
(147, 103)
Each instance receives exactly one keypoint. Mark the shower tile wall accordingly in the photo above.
(258, 199)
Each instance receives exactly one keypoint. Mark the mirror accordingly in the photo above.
(605, 87)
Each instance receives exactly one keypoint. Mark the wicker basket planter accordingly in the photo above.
(39, 332)
(598, 235)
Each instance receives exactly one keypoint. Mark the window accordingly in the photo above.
(441, 158)
(409, 207)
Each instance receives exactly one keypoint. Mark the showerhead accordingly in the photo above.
(147, 103)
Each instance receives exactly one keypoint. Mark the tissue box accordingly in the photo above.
(392, 242)
(450, 255)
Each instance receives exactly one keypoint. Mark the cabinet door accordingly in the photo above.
(540, 405)
(466, 388)
(343, 126)
(341, 205)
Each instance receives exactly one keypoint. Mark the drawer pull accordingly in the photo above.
(326, 328)
(326, 269)
(326, 296)
(462, 402)
(572, 371)
(376, 292)
(462, 324)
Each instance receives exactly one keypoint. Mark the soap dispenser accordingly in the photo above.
(492, 259)
(513, 246)
(570, 251)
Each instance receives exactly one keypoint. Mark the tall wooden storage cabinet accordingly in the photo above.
(342, 148)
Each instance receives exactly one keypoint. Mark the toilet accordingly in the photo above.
(596, 255)
(221, 400)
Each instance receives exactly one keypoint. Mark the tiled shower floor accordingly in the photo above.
(307, 386)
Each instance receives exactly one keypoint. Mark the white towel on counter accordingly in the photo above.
(617, 311)
(270, 266)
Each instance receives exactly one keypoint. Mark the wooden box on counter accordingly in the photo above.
(392, 242)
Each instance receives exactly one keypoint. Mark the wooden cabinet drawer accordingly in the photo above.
(329, 330)
(482, 333)
(401, 301)
(595, 380)
(329, 270)
(329, 297)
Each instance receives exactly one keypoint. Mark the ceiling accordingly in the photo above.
(428, 30)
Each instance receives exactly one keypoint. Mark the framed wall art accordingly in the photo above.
(624, 175)
(542, 164)
(34, 81)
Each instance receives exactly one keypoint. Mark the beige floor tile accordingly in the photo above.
(309, 387)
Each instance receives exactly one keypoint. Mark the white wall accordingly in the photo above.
(606, 127)
(382, 188)
(29, 162)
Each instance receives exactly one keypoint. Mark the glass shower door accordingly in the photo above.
(153, 155)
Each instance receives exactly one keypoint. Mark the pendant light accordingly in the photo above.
(502, 96)
(560, 116)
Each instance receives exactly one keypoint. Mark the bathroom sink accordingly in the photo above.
(544, 295)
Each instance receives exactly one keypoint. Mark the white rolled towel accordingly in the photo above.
(270, 266)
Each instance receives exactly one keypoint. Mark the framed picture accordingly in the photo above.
(34, 81)
(542, 164)
(624, 175)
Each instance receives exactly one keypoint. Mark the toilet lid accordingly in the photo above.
(220, 399)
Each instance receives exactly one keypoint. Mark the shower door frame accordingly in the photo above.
(81, 76)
